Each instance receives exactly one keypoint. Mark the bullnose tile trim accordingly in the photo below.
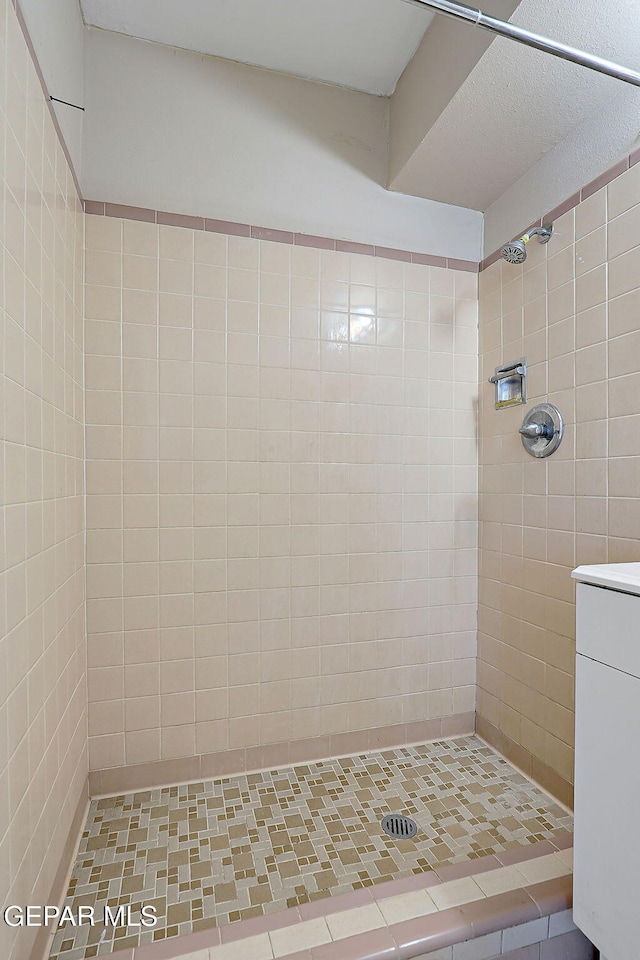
(227, 763)
(100, 209)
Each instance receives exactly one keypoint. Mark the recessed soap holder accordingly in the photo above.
(542, 430)
(511, 384)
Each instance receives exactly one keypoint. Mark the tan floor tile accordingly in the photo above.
(349, 923)
(455, 893)
(543, 868)
(253, 948)
(407, 906)
(303, 936)
(494, 882)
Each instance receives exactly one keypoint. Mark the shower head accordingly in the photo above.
(516, 251)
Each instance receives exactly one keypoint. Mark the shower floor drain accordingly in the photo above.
(402, 828)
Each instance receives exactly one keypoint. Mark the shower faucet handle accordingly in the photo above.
(534, 430)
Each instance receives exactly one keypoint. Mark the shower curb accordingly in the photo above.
(520, 908)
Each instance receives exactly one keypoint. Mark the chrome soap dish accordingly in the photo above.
(511, 384)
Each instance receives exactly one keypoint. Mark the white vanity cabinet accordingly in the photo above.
(607, 776)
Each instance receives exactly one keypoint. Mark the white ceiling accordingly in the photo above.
(518, 103)
(362, 44)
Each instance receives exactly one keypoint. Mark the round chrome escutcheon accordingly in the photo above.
(542, 430)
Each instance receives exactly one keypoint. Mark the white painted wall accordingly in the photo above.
(57, 33)
(448, 53)
(594, 145)
(178, 131)
(362, 44)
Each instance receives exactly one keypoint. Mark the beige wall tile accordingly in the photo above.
(623, 313)
(43, 691)
(578, 507)
(591, 214)
(623, 273)
(623, 232)
(591, 251)
(623, 192)
(276, 497)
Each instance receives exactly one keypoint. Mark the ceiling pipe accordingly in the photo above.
(459, 11)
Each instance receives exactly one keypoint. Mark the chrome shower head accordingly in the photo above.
(516, 251)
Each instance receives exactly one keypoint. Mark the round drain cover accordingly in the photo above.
(402, 828)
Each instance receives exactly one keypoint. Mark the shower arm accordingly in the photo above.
(543, 232)
(459, 11)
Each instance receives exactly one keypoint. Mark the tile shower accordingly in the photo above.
(280, 446)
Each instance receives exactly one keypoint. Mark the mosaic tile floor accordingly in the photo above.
(209, 853)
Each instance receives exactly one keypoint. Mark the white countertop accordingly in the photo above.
(615, 576)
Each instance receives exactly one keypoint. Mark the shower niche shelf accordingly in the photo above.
(510, 381)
